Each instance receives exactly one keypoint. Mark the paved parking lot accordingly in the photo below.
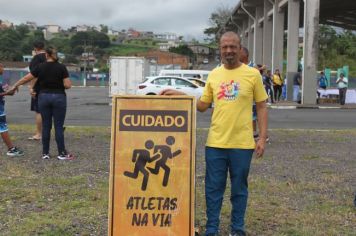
(90, 107)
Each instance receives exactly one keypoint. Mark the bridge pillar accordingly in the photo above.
(244, 35)
(258, 51)
(310, 50)
(277, 41)
(292, 45)
(267, 35)
(251, 36)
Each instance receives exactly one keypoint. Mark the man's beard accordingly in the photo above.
(231, 61)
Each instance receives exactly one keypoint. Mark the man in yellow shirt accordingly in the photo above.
(232, 88)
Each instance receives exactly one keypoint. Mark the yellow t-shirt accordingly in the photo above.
(277, 80)
(233, 92)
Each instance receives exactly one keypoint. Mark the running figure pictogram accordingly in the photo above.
(166, 152)
(140, 157)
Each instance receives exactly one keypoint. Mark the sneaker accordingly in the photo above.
(14, 152)
(45, 156)
(65, 156)
(237, 233)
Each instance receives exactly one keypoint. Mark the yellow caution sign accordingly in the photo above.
(152, 166)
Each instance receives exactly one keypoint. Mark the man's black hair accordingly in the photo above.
(38, 45)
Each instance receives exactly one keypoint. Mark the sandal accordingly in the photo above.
(34, 138)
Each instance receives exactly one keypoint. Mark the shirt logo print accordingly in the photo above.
(229, 91)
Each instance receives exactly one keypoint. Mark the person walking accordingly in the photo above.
(342, 84)
(297, 82)
(53, 79)
(322, 81)
(277, 85)
(268, 83)
(39, 57)
(232, 88)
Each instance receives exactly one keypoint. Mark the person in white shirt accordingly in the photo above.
(342, 84)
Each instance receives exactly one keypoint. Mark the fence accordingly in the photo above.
(102, 79)
(77, 78)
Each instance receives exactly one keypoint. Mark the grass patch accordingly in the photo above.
(127, 49)
(296, 189)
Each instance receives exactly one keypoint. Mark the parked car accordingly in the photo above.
(206, 61)
(154, 85)
(197, 81)
(203, 74)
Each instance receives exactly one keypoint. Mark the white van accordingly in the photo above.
(186, 73)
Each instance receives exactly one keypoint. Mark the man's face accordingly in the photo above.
(230, 50)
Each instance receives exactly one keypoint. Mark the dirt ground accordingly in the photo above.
(304, 185)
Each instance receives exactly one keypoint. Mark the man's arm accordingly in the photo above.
(202, 106)
(23, 80)
(31, 86)
(262, 126)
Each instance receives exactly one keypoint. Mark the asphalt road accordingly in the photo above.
(90, 107)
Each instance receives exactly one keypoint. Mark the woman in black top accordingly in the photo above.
(53, 79)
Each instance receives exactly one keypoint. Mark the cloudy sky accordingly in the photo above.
(184, 17)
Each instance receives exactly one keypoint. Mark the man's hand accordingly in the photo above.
(260, 147)
(32, 93)
(11, 91)
(171, 92)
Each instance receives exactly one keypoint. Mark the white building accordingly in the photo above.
(5, 24)
(113, 32)
(31, 25)
(53, 29)
(166, 45)
(167, 36)
(82, 28)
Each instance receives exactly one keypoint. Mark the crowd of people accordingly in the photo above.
(274, 84)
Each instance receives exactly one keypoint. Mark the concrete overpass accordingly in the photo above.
(262, 25)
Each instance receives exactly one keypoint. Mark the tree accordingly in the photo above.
(104, 28)
(336, 48)
(78, 50)
(93, 38)
(217, 21)
(61, 44)
(22, 30)
(10, 40)
(183, 50)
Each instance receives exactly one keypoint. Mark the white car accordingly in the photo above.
(197, 81)
(154, 85)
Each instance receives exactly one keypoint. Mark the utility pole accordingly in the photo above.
(85, 64)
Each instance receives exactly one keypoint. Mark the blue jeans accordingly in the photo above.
(52, 106)
(284, 92)
(295, 93)
(218, 162)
